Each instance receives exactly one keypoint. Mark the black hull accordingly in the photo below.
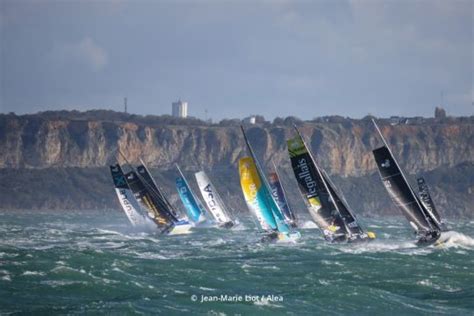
(227, 225)
(269, 237)
(429, 239)
(337, 240)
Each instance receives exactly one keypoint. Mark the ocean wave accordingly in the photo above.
(39, 273)
(454, 239)
(445, 288)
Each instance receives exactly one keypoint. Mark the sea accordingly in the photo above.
(94, 262)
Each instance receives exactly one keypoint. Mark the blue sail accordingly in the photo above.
(192, 206)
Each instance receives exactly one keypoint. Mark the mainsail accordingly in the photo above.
(329, 211)
(280, 197)
(212, 199)
(126, 198)
(193, 206)
(420, 218)
(254, 194)
(258, 193)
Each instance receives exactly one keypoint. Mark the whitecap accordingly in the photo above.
(308, 225)
(58, 283)
(179, 292)
(33, 273)
(6, 278)
(206, 289)
(456, 239)
(267, 303)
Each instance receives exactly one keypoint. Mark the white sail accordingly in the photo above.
(131, 207)
(212, 199)
(126, 198)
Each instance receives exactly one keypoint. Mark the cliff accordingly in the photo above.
(59, 159)
(342, 148)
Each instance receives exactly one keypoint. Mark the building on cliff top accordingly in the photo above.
(179, 109)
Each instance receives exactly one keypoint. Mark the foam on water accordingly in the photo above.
(309, 225)
(456, 239)
(94, 262)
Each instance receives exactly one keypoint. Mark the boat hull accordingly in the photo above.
(180, 228)
(281, 237)
(227, 225)
(289, 237)
(429, 239)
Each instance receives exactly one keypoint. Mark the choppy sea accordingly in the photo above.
(95, 263)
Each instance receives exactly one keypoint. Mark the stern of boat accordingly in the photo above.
(180, 228)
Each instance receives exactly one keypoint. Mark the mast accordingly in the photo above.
(323, 181)
(153, 190)
(265, 184)
(403, 176)
(254, 157)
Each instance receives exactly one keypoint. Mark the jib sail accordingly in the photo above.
(428, 203)
(348, 217)
(280, 197)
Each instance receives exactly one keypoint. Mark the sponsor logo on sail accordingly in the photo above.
(385, 164)
(305, 175)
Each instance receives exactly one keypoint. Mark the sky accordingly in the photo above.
(231, 59)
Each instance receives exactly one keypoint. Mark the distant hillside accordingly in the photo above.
(91, 188)
(59, 159)
(343, 146)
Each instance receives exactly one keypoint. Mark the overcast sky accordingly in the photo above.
(235, 58)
